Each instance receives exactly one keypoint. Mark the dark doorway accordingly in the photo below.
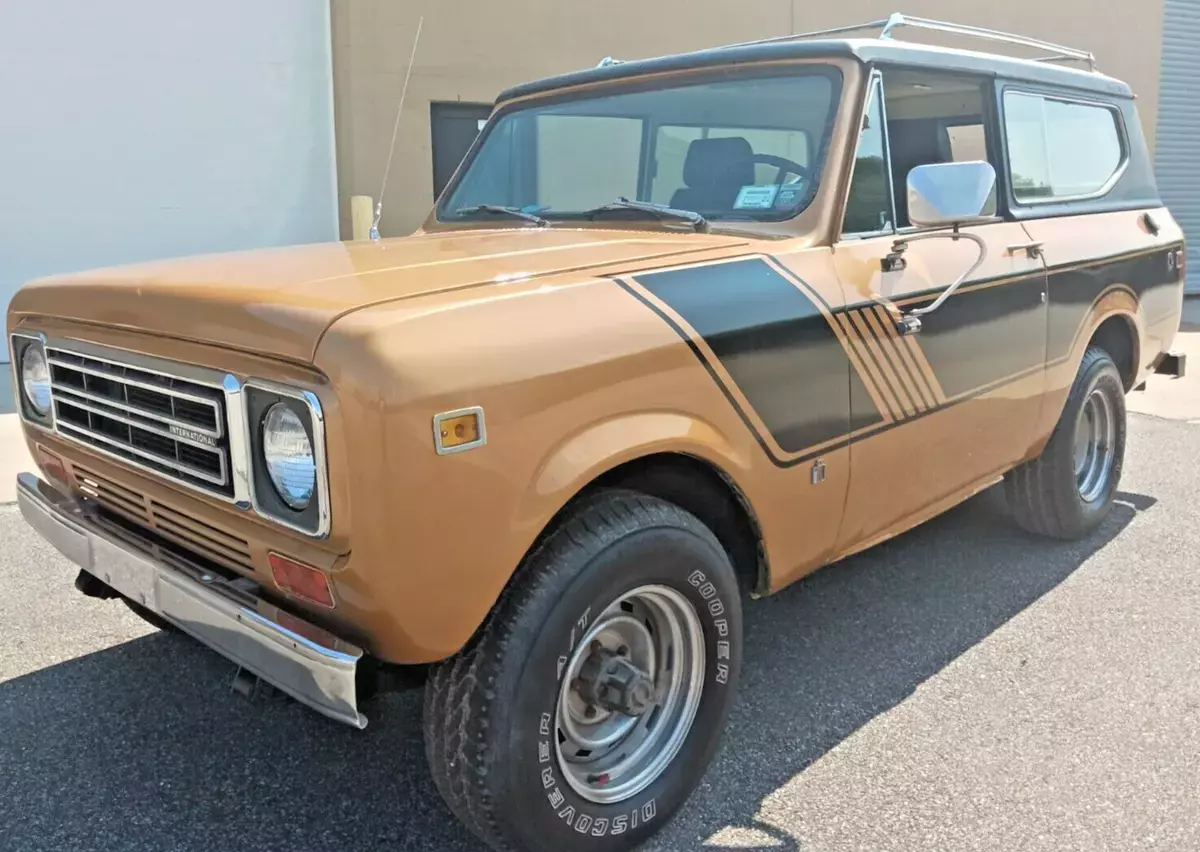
(454, 127)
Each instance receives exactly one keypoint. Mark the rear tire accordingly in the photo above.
(1068, 490)
(623, 625)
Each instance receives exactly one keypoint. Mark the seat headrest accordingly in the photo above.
(730, 159)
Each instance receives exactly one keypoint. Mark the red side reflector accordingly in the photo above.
(51, 464)
(300, 580)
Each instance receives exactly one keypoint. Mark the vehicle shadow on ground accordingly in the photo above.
(141, 746)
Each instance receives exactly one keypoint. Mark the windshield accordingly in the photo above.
(748, 148)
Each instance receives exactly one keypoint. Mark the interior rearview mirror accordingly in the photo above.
(945, 194)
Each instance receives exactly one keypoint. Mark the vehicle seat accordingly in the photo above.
(713, 172)
(914, 142)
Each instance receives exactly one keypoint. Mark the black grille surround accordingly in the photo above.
(175, 427)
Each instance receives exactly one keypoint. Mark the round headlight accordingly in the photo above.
(288, 454)
(35, 379)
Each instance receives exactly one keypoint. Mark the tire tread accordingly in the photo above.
(1040, 493)
(459, 694)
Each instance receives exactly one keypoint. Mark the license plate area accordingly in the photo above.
(134, 578)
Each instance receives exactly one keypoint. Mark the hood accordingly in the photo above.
(280, 301)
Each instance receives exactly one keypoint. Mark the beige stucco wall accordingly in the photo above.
(472, 49)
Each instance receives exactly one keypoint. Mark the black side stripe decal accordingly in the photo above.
(903, 348)
(773, 343)
(855, 341)
(765, 341)
(703, 361)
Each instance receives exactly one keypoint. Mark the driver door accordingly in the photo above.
(961, 397)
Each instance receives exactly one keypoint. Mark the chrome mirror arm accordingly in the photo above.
(910, 322)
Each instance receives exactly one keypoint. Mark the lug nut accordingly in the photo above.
(623, 651)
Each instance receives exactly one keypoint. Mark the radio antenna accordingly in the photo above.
(395, 128)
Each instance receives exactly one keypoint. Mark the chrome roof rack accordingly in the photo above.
(896, 21)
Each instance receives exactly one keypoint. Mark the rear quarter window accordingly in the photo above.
(1059, 149)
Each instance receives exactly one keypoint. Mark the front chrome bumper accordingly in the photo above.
(301, 659)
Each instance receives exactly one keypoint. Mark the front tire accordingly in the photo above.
(1068, 490)
(588, 707)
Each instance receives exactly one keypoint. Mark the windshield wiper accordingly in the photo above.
(499, 208)
(660, 210)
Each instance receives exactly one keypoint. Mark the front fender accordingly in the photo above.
(588, 454)
(437, 537)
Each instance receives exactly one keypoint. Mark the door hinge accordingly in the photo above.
(818, 472)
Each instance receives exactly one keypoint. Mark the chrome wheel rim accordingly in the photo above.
(1095, 446)
(613, 743)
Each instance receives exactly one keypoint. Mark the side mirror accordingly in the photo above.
(945, 194)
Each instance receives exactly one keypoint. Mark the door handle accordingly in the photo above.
(1032, 250)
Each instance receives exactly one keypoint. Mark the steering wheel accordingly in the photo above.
(784, 165)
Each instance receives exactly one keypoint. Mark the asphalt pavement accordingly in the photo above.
(964, 687)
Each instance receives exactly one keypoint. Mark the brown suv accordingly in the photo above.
(678, 330)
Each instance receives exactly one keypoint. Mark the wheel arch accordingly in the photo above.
(697, 485)
(677, 457)
(1111, 323)
(702, 488)
(1117, 334)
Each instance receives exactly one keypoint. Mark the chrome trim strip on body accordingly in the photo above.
(317, 415)
(873, 88)
(317, 669)
(240, 462)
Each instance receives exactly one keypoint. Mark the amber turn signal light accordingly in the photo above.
(455, 431)
(300, 580)
(460, 430)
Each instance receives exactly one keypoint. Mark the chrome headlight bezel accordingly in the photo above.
(260, 398)
(20, 348)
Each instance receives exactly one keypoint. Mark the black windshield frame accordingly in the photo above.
(817, 166)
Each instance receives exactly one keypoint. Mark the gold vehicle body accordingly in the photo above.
(601, 350)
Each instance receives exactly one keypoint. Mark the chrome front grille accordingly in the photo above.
(173, 426)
